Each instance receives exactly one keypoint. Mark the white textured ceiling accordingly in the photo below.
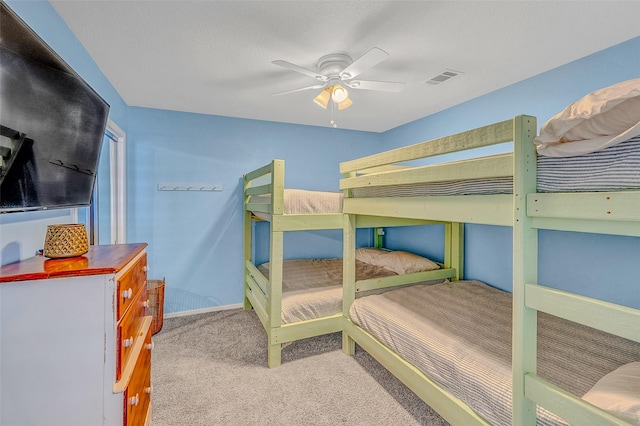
(214, 57)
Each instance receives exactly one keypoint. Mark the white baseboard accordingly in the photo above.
(202, 311)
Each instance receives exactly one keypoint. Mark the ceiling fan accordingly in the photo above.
(337, 70)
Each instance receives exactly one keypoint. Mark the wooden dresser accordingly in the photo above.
(75, 340)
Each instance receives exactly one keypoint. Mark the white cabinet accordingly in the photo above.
(75, 340)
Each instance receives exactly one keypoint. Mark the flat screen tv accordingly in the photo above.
(52, 124)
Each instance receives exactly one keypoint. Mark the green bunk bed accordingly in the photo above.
(604, 121)
(468, 371)
(301, 298)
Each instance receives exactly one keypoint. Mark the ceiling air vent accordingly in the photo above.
(442, 77)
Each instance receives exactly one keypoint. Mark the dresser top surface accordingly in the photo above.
(101, 259)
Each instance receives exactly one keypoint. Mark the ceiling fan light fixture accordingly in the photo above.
(345, 104)
(339, 94)
(323, 98)
(337, 73)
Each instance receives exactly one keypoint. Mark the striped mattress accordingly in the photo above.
(312, 288)
(459, 334)
(612, 169)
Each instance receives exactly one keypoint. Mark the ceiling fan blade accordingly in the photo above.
(301, 70)
(371, 58)
(383, 86)
(316, 86)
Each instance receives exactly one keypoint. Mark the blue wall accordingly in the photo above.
(195, 237)
(575, 261)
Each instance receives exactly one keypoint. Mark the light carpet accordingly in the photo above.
(211, 369)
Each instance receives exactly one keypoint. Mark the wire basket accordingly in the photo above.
(155, 294)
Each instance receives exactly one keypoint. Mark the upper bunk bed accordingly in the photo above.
(528, 394)
(300, 298)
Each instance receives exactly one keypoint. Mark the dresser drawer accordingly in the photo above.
(129, 329)
(129, 284)
(137, 396)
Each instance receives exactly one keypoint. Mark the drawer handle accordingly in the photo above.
(145, 268)
(150, 346)
(127, 294)
(149, 390)
(127, 343)
(134, 400)
(146, 303)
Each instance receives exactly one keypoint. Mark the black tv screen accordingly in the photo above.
(52, 124)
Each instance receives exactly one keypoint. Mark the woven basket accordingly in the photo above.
(65, 241)
(155, 294)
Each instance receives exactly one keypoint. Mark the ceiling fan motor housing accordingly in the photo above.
(331, 65)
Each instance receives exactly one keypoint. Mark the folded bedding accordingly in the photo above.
(603, 118)
(459, 334)
(300, 201)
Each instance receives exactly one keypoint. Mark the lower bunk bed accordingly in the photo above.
(451, 344)
(301, 298)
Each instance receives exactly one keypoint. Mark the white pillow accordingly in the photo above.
(400, 262)
(602, 118)
(618, 393)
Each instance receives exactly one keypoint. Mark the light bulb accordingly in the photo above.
(339, 94)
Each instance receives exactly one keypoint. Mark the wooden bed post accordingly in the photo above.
(349, 278)
(276, 251)
(348, 272)
(247, 244)
(525, 269)
(378, 237)
(454, 248)
(275, 304)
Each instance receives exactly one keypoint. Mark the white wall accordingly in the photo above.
(22, 234)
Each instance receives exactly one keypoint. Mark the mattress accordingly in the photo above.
(312, 288)
(300, 201)
(612, 169)
(459, 334)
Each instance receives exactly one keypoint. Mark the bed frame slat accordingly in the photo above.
(476, 138)
(569, 407)
(477, 168)
(396, 280)
(485, 209)
(609, 317)
(606, 206)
